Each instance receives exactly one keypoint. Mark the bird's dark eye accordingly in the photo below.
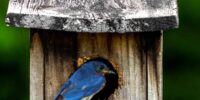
(101, 67)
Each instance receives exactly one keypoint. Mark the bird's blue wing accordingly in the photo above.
(94, 86)
(94, 90)
(76, 78)
(74, 94)
(65, 87)
(86, 89)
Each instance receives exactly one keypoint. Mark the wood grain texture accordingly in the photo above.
(58, 62)
(138, 57)
(94, 15)
(154, 63)
(36, 68)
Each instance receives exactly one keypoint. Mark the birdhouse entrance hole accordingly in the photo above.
(112, 81)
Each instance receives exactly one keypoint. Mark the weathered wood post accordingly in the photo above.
(90, 28)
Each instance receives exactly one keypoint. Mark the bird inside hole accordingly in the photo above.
(85, 82)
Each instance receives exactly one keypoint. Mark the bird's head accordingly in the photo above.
(100, 68)
(103, 70)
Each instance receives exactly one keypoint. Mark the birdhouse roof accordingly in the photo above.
(94, 15)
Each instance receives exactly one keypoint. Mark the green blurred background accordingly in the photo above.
(181, 57)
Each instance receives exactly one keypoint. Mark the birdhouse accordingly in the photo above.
(126, 34)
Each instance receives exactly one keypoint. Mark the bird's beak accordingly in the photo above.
(107, 71)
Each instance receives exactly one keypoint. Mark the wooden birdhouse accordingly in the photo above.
(66, 33)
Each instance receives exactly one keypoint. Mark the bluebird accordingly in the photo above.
(88, 80)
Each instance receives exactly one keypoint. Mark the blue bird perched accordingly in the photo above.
(86, 81)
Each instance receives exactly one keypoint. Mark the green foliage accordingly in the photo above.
(182, 54)
(14, 60)
(181, 57)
